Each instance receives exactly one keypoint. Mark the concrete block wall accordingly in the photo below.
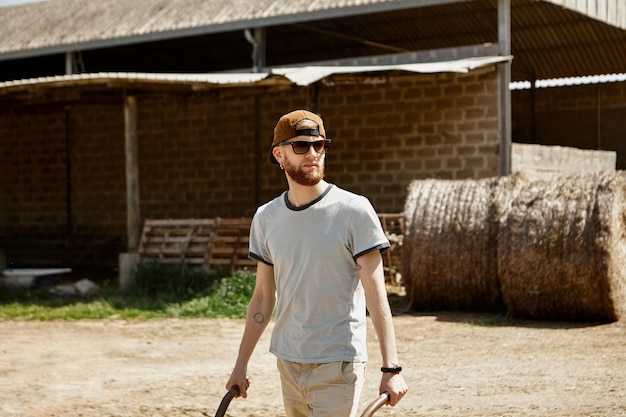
(33, 154)
(582, 116)
(195, 156)
(209, 154)
(33, 181)
(205, 155)
(98, 179)
(541, 162)
(62, 194)
(422, 126)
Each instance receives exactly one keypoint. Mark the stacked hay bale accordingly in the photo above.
(549, 250)
(449, 249)
(561, 249)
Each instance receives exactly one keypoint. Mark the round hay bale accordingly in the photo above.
(449, 247)
(561, 249)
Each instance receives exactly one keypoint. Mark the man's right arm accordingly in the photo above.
(259, 314)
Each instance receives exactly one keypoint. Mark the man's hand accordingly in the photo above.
(239, 378)
(395, 385)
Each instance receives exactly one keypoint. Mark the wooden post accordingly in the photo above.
(133, 217)
(127, 263)
(504, 40)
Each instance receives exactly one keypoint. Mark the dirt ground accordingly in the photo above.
(456, 364)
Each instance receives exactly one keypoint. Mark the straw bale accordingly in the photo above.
(450, 248)
(561, 249)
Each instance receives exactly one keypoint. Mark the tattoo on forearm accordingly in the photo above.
(259, 318)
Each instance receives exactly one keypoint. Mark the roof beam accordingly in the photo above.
(349, 37)
(413, 57)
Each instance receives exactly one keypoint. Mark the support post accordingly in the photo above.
(69, 63)
(259, 53)
(127, 263)
(133, 217)
(504, 71)
(257, 40)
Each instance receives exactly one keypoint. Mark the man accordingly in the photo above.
(318, 251)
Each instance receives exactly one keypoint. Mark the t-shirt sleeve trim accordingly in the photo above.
(382, 247)
(258, 258)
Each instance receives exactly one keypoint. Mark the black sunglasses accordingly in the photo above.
(301, 147)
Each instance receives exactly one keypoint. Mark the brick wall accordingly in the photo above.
(541, 162)
(33, 155)
(196, 156)
(62, 195)
(583, 116)
(205, 155)
(413, 127)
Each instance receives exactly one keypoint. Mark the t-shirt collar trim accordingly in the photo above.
(306, 206)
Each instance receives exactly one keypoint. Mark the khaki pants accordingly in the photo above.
(321, 390)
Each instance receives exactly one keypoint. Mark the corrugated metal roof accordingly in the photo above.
(104, 77)
(309, 75)
(549, 38)
(612, 12)
(279, 76)
(554, 41)
(55, 23)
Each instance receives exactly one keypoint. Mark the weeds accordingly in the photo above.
(158, 291)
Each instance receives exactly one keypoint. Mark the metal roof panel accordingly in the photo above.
(549, 38)
(298, 75)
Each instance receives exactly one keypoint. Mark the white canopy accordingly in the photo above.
(297, 75)
(309, 75)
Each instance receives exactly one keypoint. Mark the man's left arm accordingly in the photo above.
(373, 280)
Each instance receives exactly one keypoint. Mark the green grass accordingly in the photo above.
(158, 291)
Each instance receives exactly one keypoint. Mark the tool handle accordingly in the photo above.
(376, 404)
(228, 397)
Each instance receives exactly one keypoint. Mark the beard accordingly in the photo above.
(309, 178)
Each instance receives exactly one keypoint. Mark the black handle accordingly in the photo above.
(232, 393)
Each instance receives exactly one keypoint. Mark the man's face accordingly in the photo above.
(305, 169)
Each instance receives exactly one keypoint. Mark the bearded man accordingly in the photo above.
(318, 249)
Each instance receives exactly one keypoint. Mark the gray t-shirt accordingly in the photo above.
(320, 306)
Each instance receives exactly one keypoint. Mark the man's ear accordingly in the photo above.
(277, 154)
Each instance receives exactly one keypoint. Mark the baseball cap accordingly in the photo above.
(286, 128)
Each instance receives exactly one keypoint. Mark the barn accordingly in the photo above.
(115, 112)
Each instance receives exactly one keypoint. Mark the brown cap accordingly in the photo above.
(286, 128)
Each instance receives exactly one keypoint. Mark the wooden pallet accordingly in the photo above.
(222, 243)
(230, 245)
(177, 241)
(209, 244)
(393, 226)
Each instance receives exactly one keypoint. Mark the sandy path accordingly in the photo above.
(178, 368)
